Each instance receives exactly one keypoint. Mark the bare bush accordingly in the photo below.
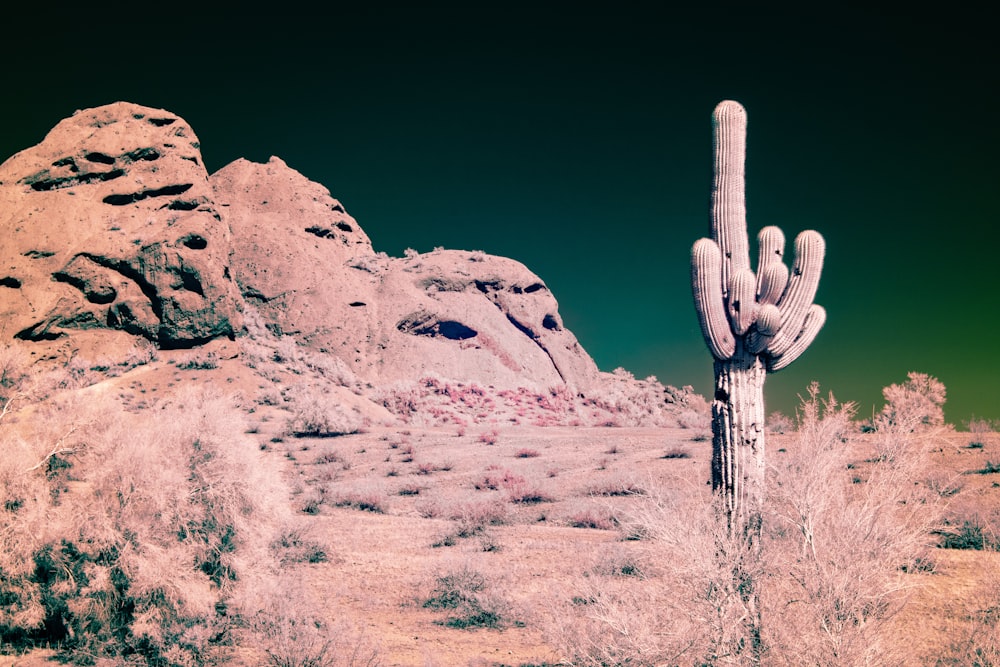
(318, 415)
(974, 637)
(915, 404)
(685, 613)
(288, 629)
(695, 420)
(845, 566)
(14, 363)
(623, 400)
(364, 497)
(198, 361)
(147, 557)
(979, 430)
(268, 353)
(779, 423)
(912, 418)
(470, 600)
(832, 567)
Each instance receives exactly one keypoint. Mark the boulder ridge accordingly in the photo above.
(113, 223)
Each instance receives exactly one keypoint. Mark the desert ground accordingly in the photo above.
(469, 539)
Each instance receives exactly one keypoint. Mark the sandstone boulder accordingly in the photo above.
(109, 223)
(310, 270)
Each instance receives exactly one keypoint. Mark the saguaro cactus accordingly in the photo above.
(753, 324)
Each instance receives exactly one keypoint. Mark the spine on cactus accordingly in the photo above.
(752, 323)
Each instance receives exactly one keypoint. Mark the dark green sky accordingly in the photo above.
(579, 142)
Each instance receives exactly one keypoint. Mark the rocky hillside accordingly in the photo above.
(112, 223)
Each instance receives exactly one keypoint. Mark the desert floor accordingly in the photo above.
(393, 509)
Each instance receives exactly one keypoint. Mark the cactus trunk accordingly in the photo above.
(738, 436)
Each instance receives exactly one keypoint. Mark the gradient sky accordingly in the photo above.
(579, 143)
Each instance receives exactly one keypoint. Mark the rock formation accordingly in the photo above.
(112, 222)
(109, 222)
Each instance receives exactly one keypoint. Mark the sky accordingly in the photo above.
(577, 140)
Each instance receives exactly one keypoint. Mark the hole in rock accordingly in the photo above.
(344, 227)
(425, 324)
(531, 289)
(100, 158)
(38, 332)
(455, 330)
(166, 191)
(191, 281)
(195, 242)
(316, 230)
(147, 154)
(160, 122)
(183, 205)
(121, 200)
(10, 281)
(485, 286)
(67, 162)
(550, 322)
(355, 304)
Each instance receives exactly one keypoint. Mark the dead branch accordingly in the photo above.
(57, 450)
(8, 403)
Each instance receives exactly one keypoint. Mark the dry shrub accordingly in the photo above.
(618, 561)
(975, 634)
(832, 566)
(198, 361)
(622, 400)
(526, 492)
(268, 353)
(14, 364)
(288, 629)
(470, 599)
(597, 518)
(685, 613)
(676, 453)
(915, 404)
(616, 486)
(295, 544)
(845, 552)
(367, 497)
(979, 431)
(318, 415)
(778, 422)
(167, 518)
(474, 516)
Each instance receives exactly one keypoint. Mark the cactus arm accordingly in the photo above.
(795, 302)
(770, 246)
(742, 302)
(814, 321)
(768, 323)
(772, 281)
(772, 274)
(729, 224)
(706, 284)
